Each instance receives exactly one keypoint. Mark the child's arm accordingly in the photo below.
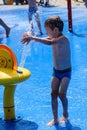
(48, 41)
(27, 37)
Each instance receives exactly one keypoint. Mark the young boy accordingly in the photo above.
(4, 25)
(61, 61)
(33, 10)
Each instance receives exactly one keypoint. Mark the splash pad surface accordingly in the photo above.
(33, 102)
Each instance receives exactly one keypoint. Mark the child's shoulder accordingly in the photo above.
(62, 37)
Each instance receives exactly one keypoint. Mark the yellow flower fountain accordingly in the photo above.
(10, 75)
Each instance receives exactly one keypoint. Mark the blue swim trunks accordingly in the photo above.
(32, 11)
(62, 73)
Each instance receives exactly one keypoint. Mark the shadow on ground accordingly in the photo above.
(68, 126)
(18, 125)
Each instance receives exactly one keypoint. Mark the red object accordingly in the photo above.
(69, 7)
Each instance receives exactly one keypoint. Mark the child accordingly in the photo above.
(4, 25)
(61, 61)
(33, 10)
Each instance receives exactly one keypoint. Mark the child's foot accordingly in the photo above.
(51, 123)
(63, 120)
(7, 32)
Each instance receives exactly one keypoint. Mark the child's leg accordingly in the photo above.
(62, 95)
(42, 1)
(38, 21)
(55, 86)
(4, 25)
(30, 15)
(47, 2)
(31, 27)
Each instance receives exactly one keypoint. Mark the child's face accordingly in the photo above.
(52, 33)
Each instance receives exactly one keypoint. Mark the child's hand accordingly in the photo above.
(26, 38)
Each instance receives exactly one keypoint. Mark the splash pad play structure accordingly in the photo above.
(10, 75)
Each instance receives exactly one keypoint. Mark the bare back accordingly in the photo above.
(32, 3)
(61, 54)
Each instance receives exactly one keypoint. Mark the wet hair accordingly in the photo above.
(53, 22)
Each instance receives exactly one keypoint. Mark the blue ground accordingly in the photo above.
(32, 97)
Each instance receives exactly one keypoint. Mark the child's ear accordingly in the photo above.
(56, 30)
